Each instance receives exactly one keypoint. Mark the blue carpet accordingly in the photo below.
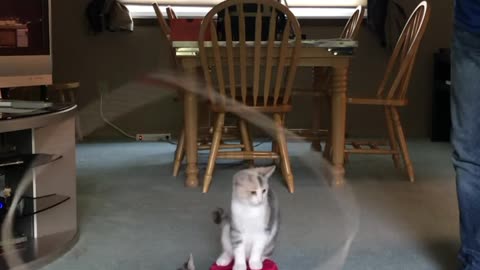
(134, 215)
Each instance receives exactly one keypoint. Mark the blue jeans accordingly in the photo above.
(465, 103)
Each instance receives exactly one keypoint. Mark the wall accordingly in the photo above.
(114, 60)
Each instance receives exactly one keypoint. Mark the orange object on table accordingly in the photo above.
(186, 29)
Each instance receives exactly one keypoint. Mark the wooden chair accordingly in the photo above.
(270, 95)
(171, 14)
(162, 22)
(67, 93)
(322, 78)
(393, 90)
(180, 149)
(351, 29)
(205, 132)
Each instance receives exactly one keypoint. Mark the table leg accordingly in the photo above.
(339, 112)
(317, 112)
(191, 134)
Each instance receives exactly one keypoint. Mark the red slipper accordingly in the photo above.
(267, 265)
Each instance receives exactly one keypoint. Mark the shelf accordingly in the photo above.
(44, 203)
(41, 251)
(16, 241)
(13, 109)
(25, 159)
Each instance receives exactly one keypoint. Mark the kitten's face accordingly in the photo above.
(188, 265)
(251, 185)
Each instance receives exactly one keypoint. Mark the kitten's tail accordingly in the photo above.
(219, 216)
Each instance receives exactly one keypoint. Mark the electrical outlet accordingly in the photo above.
(154, 137)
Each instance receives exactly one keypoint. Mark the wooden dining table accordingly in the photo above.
(334, 53)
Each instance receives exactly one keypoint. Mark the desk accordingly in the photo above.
(49, 226)
(315, 53)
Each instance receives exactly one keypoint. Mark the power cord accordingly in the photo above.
(126, 134)
(110, 123)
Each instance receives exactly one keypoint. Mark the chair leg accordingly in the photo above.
(179, 153)
(316, 122)
(327, 152)
(284, 158)
(217, 136)
(275, 147)
(391, 136)
(403, 144)
(246, 139)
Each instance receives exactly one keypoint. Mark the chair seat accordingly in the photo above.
(269, 108)
(377, 101)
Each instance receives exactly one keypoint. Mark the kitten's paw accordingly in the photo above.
(255, 265)
(239, 267)
(224, 260)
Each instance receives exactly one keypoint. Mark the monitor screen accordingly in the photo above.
(24, 27)
(25, 43)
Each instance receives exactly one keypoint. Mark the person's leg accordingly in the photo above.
(466, 142)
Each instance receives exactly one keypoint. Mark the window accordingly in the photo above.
(291, 3)
(199, 8)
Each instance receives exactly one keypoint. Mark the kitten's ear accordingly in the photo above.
(190, 263)
(239, 177)
(266, 171)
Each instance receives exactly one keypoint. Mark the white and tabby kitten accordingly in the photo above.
(249, 233)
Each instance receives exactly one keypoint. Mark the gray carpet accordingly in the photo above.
(135, 215)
